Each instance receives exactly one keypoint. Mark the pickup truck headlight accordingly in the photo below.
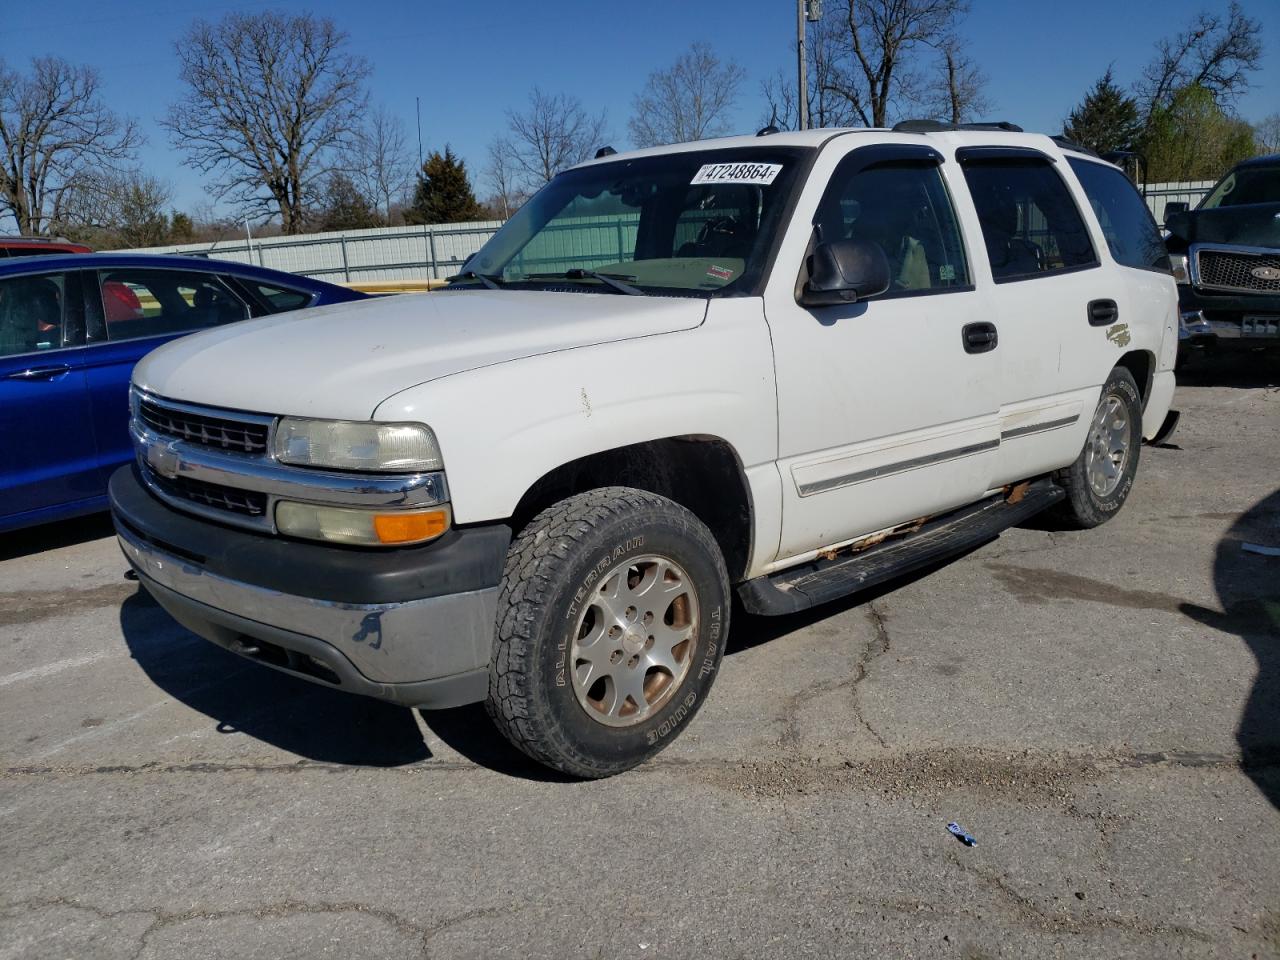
(357, 445)
(1178, 264)
(368, 528)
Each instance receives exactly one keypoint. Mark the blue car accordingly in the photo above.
(71, 329)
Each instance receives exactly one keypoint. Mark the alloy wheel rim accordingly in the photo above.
(1107, 450)
(634, 641)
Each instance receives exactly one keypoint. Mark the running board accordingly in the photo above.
(823, 580)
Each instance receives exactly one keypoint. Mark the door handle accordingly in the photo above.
(1103, 313)
(39, 373)
(979, 337)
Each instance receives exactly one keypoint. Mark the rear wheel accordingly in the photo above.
(611, 625)
(1099, 481)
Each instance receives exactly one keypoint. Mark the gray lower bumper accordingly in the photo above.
(431, 653)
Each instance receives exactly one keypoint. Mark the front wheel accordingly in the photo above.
(1099, 481)
(611, 624)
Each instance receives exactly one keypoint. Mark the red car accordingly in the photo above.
(38, 246)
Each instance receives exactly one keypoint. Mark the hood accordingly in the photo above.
(341, 361)
(1249, 225)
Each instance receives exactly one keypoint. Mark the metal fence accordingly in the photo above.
(1159, 195)
(437, 251)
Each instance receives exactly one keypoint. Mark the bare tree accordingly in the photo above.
(378, 161)
(958, 85)
(116, 209)
(1266, 134)
(271, 100)
(690, 100)
(1216, 52)
(503, 178)
(826, 107)
(552, 134)
(55, 133)
(880, 40)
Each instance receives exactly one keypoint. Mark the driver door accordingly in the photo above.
(887, 409)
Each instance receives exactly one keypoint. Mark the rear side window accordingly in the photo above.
(151, 303)
(1030, 225)
(1126, 222)
(281, 298)
(903, 208)
(31, 313)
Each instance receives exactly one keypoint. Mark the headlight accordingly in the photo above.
(369, 528)
(357, 445)
(1178, 264)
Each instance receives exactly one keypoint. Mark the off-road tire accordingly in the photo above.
(1083, 507)
(564, 555)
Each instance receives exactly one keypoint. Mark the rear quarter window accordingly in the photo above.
(1130, 230)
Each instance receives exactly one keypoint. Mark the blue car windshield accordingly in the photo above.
(701, 222)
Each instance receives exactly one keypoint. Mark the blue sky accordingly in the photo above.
(470, 61)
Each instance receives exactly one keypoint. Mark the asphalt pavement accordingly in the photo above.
(1098, 709)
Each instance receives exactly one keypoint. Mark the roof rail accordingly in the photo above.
(939, 126)
(1066, 144)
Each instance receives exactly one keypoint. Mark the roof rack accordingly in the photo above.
(1066, 144)
(939, 126)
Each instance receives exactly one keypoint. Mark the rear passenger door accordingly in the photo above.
(47, 454)
(1045, 274)
(129, 312)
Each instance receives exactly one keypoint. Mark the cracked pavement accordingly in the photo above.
(1100, 709)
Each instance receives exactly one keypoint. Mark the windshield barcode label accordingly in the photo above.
(759, 173)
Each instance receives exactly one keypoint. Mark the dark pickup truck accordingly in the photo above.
(1226, 258)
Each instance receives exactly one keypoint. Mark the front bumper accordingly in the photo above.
(1226, 319)
(413, 626)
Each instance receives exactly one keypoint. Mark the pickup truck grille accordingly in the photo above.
(246, 503)
(217, 432)
(1229, 270)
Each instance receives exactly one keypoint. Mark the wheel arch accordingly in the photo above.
(700, 472)
(1142, 364)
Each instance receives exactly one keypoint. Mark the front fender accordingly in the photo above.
(503, 427)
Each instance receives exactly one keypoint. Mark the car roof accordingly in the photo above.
(1267, 160)
(815, 139)
(99, 261)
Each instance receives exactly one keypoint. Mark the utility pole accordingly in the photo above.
(417, 109)
(809, 10)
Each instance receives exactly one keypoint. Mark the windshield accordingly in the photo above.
(1250, 185)
(696, 223)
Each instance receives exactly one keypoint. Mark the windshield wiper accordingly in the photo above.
(492, 281)
(614, 280)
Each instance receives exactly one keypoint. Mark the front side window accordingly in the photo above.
(151, 303)
(905, 210)
(1030, 224)
(1131, 232)
(31, 313)
(700, 222)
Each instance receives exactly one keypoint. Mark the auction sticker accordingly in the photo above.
(757, 173)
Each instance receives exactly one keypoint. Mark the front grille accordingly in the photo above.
(246, 503)
(1227, 270)
(217, 432)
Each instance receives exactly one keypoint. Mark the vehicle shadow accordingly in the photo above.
(314, 722)
(1246, 370)
(52, 536)
(1248, 588)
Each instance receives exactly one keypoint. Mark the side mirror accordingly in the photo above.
(844, 272)
(1175, 206)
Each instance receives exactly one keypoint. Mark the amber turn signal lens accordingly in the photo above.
(410, 527)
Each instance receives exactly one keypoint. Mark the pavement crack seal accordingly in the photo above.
(876, 646)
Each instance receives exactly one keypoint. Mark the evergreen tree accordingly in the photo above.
(181, 229)
(1107, 120)
(345, 207)
(444, 193)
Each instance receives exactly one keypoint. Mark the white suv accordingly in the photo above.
(790, 366)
